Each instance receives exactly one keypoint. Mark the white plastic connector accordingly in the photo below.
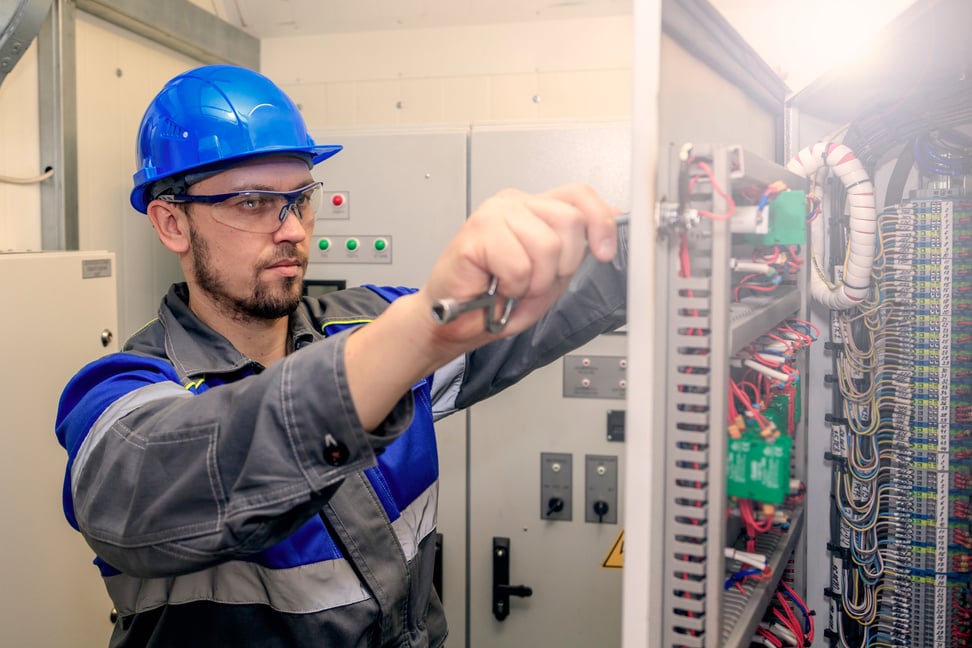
(753, 560)
(749, 219)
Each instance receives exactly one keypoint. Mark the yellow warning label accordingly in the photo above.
(615, 557)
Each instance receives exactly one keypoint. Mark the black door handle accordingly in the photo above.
(437, 567)
(502, 590)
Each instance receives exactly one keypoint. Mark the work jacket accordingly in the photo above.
(231, 504)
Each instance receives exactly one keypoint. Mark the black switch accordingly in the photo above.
(615, 425)
(555, 505)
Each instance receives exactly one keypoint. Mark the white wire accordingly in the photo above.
(773, 374)
(23, 181)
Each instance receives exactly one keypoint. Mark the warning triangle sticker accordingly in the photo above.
(615, 557)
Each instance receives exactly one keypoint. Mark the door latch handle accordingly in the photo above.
(502, 590)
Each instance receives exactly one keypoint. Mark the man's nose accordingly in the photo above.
(291, 228)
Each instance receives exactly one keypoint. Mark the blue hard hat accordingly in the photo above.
(213, 116)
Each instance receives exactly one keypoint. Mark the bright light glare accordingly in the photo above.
(803, 40)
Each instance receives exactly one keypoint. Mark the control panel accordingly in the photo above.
(601, 490)
(590, 376)
(367, 248)
(556, 502)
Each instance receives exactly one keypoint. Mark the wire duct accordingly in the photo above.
(853, 288)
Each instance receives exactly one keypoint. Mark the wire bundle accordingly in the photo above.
(902, 447)
(873, 457)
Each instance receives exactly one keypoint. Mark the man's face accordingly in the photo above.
(246, 275)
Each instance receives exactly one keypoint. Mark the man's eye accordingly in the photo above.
(250, 203)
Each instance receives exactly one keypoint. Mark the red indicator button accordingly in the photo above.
(337, 200)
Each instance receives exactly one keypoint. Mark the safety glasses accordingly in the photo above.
(259, 211)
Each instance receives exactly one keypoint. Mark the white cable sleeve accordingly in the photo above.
(750, 266)
(767, 371)
(852, 289)
(777, 347)
(753, 560)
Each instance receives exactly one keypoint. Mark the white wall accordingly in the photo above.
(563, 70)
(557, 70)
(20, 156)
(118, 73)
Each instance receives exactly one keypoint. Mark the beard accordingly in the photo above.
(263, 302)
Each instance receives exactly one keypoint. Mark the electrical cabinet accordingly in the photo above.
(59, 314)
(555, 551)
(406, 187)
(412, 188)
(890, 468)
(874, 529)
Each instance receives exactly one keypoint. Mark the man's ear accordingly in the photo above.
(171, 224)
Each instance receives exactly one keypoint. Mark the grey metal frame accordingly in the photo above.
(176, 24)
(20, 20)
(56, 72)
(699, 27)
(703, 329)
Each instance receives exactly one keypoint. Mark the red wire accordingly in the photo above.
(715, 187)
(769, 636)
(750, 409)
(787, 617)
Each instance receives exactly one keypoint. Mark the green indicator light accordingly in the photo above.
(380, 244)
(323, 244)
(352, 244)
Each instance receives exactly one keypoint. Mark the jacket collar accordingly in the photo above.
(196, 349)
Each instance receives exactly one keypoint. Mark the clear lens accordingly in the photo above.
(265, 211)
(309, 203)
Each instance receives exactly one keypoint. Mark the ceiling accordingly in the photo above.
(277, 18)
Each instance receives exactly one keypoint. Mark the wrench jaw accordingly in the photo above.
(496, 325)
(446, 310)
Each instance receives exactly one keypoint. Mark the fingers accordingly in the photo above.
(532, 243)
(554, 231)
(564, 227)
(598, 218)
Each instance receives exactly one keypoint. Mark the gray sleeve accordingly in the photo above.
(594, 303)
(167, 483)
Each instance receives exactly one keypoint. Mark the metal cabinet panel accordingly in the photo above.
(575, 601)
(54, 322)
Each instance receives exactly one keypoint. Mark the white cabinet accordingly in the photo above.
(59, 312)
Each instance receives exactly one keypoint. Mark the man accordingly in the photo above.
(259, 469)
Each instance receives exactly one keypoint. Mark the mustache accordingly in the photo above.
(286, 252)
